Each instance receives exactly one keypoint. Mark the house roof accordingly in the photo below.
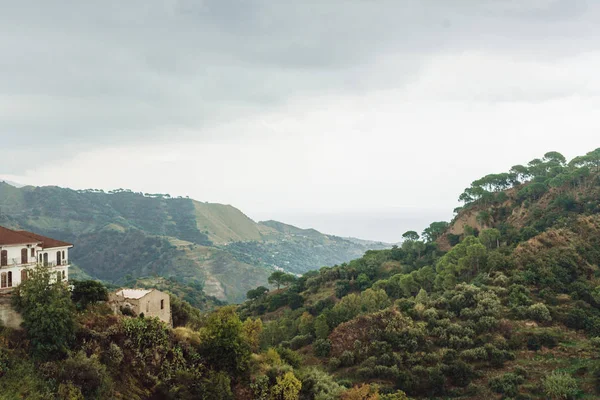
(8, 237)
(133, 293)
(47, 243)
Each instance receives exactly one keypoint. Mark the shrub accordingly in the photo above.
(347, 358)
(539, 312)
(87, 373)
(300, 341)
(459, 373)
(316, 384)
(560, 385)
(113, 356)
(289, 356)
(507, 384)
(4, 362)
(334, 363)
(322, 347)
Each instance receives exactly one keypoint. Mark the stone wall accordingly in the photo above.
(8, 315)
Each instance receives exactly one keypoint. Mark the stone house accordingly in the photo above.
(150, 302)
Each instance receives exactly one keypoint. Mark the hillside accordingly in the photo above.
(501, 302)
(508, 309)
(122, 234)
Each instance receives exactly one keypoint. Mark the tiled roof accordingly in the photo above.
(8, 237)
(47, 243)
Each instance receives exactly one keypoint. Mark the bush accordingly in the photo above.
(347, 358)
(316, 384)
(507, 385)
(539, 312)
(289, 356)
(113, 356)
(560, 385)
(87, 373)
(334, 363)
(300, 341)
(322, 347)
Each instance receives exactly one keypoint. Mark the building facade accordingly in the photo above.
(21, 251)
(150, 302)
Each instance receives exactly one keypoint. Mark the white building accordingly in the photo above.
(22, 250)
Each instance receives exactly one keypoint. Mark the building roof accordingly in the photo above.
(47, 243)
(133, 293)
(8, 237)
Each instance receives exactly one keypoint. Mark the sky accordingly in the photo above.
(355, 117)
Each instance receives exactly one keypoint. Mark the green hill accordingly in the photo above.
(501, 302)
(121, 234)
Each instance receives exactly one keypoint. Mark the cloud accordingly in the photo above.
(280, 106)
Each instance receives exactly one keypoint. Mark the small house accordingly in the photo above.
(149, 302)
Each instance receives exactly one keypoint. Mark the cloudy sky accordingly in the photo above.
(356, 117)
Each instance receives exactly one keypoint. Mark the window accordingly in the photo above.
(3, 258)
(23, 275)
(24, 259)
(58, 258)
(147, 306)
(40, 258)
(63, 255)
(3, 280)
(32, 252)
(9, 278)
(162, 304)
(45, 259)
(64, 275)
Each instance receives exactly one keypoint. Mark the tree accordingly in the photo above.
(287, 387)
(490, 238)
(321, 327)
(411, 236)
(279, 278)
(435, 230)
(88, 292)
(48, 313)
(257, 293)
(224, 343)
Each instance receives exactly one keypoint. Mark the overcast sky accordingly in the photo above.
(356, 117)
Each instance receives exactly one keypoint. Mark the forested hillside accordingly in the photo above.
(503, 302)
(120, 235)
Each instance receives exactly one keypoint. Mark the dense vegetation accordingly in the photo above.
(122, 233)
(502, 302)
(505, 307)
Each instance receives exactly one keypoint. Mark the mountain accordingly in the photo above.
(122, 235)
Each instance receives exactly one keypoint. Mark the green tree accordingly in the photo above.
(223, 341)
(411, 236)
(490, 238)
(321, 327)
(435, 230)
(48, 313)
(279, 278)
(88, 292)
(257, 293)
(287, 387)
